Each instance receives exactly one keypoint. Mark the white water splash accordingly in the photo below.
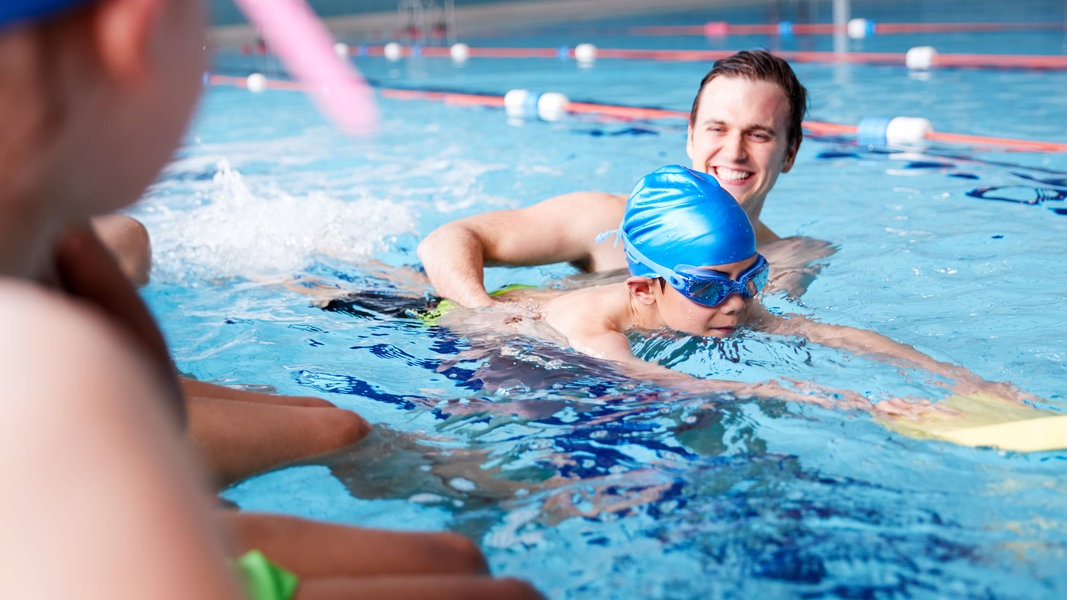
(241, 232)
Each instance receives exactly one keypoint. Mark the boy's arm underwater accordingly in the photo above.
(865, 342)
(599, 339)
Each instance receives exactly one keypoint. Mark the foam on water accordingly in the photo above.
(568, 473)
(241, 231)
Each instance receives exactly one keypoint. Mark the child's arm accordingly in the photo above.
(612, 345)
(864, 342)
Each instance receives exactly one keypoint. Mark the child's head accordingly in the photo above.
(23, 11)
(94, 98)
(681, 228)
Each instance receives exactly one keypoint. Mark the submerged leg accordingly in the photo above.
(238, 439)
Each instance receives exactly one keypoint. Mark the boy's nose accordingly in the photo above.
(733, 304)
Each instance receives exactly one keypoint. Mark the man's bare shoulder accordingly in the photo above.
(586, 214)
(599, 201)
(574, 209)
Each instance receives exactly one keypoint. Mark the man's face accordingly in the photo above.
(740, 137)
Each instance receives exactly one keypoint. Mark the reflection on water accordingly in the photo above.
(294, 267)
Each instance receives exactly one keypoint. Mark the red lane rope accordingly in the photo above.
(1001, 60)
(270, 84)
(977, 140)
(720, 28)
(668, 30)
(444, 52)
(817, 128)
(1004, 61)
(625, 112)
(445, 97)
(1017, 61)
(964, 27)
(828, 129)
(663, 55)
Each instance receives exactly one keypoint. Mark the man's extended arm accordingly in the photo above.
(560, 229)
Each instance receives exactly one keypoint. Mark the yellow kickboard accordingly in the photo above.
(986, 420)
(1031, 435)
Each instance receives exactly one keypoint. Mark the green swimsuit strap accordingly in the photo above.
(429, 317)
(264, 580)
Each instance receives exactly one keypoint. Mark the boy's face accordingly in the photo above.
(741, 138)
(722, 320)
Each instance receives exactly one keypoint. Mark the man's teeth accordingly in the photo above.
(731, 175)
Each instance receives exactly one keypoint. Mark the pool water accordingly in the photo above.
(568, 474)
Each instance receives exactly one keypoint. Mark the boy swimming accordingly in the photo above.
(691, 255)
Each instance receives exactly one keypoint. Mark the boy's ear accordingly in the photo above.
(123, 31)
(641, 289)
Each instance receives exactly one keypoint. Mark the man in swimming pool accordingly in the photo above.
(694, 268)
(744, 130)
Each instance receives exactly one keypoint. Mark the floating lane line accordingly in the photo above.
(718, 28)
(977, 140)
(816, 128)
(445, 97)
(1002, 61)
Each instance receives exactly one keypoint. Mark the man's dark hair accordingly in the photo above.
(760, 65)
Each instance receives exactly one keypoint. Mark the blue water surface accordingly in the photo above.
(566, 472)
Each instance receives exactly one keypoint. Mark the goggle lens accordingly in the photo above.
(710, 289)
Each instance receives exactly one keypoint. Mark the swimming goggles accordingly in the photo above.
(704, 286)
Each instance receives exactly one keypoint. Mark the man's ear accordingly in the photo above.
(790, 157)
(689, 141)
(123, 31)
(642, 289)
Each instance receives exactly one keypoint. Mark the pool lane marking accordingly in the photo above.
(829, 28)
(977, 140)
(832, 129)
(816, 128)
(997, 61)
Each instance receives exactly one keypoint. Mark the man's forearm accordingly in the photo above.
(454, 260)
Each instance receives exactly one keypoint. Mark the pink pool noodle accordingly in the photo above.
(300, 39)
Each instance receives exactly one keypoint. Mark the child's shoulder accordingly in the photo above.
(53, 341)
(26, 306)
(597, 307)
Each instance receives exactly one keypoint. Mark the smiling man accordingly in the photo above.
(744, 130)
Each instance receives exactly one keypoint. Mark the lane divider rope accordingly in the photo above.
(815, 128)
(720, 28)
(1002, 61)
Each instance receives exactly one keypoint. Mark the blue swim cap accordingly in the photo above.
(677, 216)
(12, 11)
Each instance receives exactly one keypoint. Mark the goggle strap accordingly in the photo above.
(659, 270)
